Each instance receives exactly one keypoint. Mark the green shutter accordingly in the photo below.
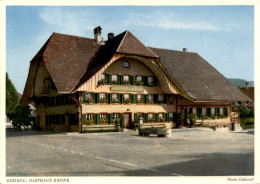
(84, 97)
(145, 78)
(110, 118)
(84, 119)
(225, 110)
(135, 98)
(135, 117)
(109, 98)
(165, 99)
(131, 80)
(121, 79)
(145, 98)
(155, 99)
(96, 96)
(146, 117)
(97, 119)
(107, 78)
(132, 98)
(134, 80)
(156, 117)
(155, 81)
(166, 115)
(120, 98)
(121, 119)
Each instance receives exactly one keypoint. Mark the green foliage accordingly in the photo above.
(12, 99)
(22, 117)
(191, 119)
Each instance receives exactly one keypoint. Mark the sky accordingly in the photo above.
(222, 35)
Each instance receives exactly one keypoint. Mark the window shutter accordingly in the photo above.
(131, 80)
(120, 98)
(135, 117)
(121, 118)
(134, 80)
(84, 119)
(84, 97)
(165, 99)
(155, 81)
(110, 118)
(225, 111)
(97, 119)
(121, 79)
(96, 98)
(107, 78)
(146, 117)
(109, 98)
(135, 98)
(155, 98)
(166, 117)
(145, 78)
(132, 98)
(145, 98)
(156, 117)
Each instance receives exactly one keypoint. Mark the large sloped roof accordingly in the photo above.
(72, 60)
(197, 77)
(66, 59)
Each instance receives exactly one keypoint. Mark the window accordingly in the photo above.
(161, 117)
(103, 76)
(126, 79)
(115, 98)
(103, 116)
(171, 116)
(114, 78)
(139, 78)
(150, 79)
(140, 98)
(126, 96)
(160, 98)
(89, 97)
(150, 98)
(170, 99)
(151, 117)
(126, 64)
(115, 116)
(102, 98)
(89, 117)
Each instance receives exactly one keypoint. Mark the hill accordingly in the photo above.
(241, 83)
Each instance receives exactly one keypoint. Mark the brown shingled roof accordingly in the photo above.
(197, 77)
(66, 59)
(72, 60)
(131, 45)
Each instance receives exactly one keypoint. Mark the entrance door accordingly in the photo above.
(127, 119)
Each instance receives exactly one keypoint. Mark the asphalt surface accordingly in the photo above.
(189, 152)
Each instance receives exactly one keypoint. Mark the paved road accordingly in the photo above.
(190, 152)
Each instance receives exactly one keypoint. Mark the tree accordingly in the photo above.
(12, 99)
(22, 117)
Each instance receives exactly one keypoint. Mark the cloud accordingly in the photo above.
(173, 22)
(68, 21)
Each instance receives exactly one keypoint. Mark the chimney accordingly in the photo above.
(97, 34)
(110, 36)
(247, 85)
(185, 49)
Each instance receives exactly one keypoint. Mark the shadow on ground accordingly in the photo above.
(12, 132)
(215, 164)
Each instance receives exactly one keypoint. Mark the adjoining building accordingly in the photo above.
(76, 80)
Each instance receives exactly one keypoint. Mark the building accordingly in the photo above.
(75, 80)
